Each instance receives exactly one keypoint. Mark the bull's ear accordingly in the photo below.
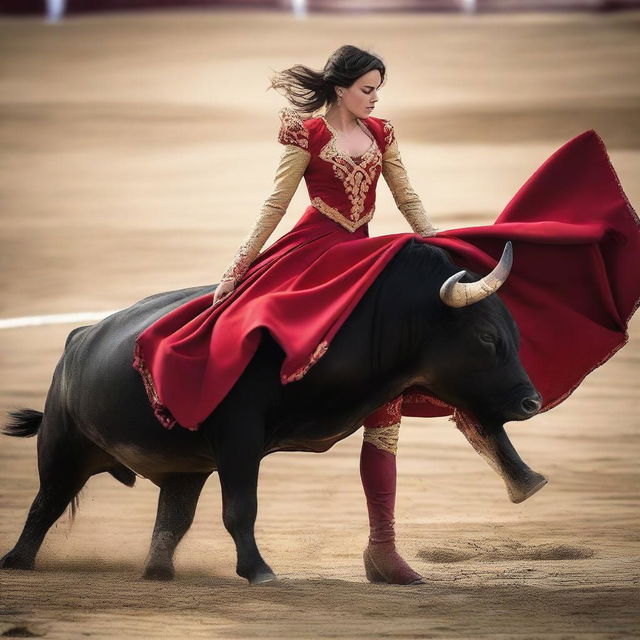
(457, 294)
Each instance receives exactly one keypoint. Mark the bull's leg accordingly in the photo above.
(47, 507)
(238, 452)
(177, 503)
(64, 465)
(496, 448)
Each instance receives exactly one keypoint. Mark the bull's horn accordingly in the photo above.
(460, 294)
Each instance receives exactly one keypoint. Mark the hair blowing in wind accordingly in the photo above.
(309, 90)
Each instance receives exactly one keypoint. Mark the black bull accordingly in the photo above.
(460, 346)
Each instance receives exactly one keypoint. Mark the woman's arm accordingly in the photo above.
(406, 199)
(291, 168)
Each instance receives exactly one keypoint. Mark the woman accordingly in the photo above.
(349, 84)
(305, 284)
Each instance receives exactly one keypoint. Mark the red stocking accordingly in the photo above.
(378, 472)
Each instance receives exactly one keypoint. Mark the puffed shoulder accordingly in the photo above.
(384, 132)
(389, 133)
(292, 129)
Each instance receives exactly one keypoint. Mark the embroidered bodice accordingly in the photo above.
(341, 186)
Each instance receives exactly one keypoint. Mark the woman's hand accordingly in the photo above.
(223, 290)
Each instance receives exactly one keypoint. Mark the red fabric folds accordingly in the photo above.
(573, 287)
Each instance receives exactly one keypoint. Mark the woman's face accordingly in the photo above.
(362, 95)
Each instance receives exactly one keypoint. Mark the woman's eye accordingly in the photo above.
(487, 337)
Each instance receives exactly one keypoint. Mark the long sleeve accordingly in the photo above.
(291, 168)
(406, 199)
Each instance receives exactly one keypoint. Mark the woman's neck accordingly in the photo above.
(341, 119)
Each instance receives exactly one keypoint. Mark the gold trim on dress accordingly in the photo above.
(334, 134)
(383, 438)
(299, 373)
(389, 134)
(162, 413)
(340, 218)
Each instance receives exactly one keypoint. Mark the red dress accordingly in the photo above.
(573, 286)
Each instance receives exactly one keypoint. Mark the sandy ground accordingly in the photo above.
(135, 151)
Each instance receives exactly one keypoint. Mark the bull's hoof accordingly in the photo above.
(521, 491)
(159, 572)
(258, 573)
(12, 560)
(262, 577)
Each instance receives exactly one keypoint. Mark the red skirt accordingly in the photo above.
(573, 287)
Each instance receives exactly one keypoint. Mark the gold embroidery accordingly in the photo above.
(389, 134)
(357, 174)
(292, 130)
(291, 168)
(334, 138)
(384, 438)
(418, 396)
(406, 199)
(139, 364)
(298, 374)
(338, 217)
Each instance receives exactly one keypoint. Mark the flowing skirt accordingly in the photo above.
(573, 287)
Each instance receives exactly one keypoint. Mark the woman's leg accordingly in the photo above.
(378, 473)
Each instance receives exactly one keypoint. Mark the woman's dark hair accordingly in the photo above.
(309, 90)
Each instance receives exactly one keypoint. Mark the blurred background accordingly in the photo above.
(137, 144)
(57, 7)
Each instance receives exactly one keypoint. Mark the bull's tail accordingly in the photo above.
(25, 423)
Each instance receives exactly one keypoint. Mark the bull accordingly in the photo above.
(418, 325)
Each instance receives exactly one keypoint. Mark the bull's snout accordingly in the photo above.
(531, 405)
(522, 405)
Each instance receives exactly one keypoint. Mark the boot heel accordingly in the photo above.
(373, 575)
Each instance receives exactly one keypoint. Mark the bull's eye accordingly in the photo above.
(488, 337)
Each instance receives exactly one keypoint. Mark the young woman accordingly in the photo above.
(303, 286)
(348, 86)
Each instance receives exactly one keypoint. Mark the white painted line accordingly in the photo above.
(56, 318)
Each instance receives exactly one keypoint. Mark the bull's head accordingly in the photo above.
(475, 366)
